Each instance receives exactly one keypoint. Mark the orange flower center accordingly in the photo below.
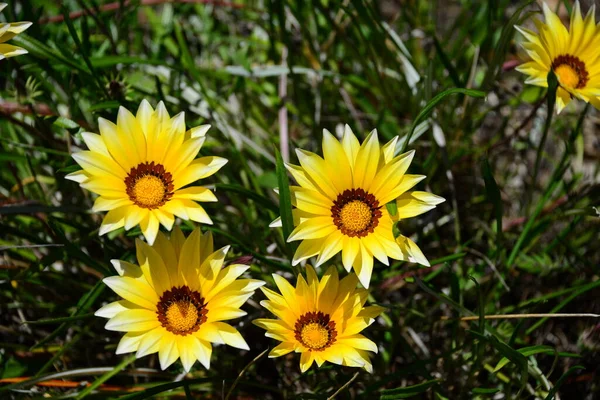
(356, 212)
(181, 310)
(570, 71)
(149, 185)
(315, 331)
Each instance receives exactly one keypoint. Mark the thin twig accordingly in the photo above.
(244, 371)
(344, 387)
(517, 316)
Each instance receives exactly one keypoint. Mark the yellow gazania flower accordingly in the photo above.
(322, 320)
(573, 55)
(341, 203)
(175, 301)
(139, 168)
(7, 32)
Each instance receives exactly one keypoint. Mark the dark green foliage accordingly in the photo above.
(517, 234)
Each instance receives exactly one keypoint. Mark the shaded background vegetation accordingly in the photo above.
(503, 242)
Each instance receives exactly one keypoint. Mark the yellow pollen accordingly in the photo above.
(314, 335)
(356, 216)
(567, 75)
(149, 190)
(182, 316)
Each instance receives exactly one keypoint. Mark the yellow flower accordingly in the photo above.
(9, 31)
(175, 301)
(139, 168)
(572, 54)
(341, 203)
(322, 320)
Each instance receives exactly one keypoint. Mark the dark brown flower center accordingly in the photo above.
(315, 331)
(181, 310)
(570, 71)
(356, 212)
(149, 185)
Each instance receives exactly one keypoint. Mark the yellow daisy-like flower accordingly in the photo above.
(573, 55)
(9, 31)
(322, 320)
(341, 203)
(174, 302)
(140, 166)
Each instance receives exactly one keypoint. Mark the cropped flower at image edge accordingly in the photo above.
(9, 31)
(573, 55)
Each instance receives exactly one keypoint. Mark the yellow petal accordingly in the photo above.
(311, 201)
(133, 290)
(350, 251)
(129, 342)
(197, 193)
(118, 145)
(153, 267)
(330, 247)
(99, 165)
(185, 345)
(313, 228)
(281, 349)
(131, 135)
(318, 170)
(231, 336)
(125, 268)
(8, 50)
(168, 352)
(111, 309)
(134, 216)
(105, 204)
(135, 320)
(202, 350)
(306, 360)
(95, 143)
(150, 342)
(358, 342)
(334, 155)
(306, 249)
(165, 218)
(149, 227)
(113, 220)
(196, 212)
(416, 203)
(225, 277)
(351, 145)
(367, 160)
(199, 169)
(179, 160)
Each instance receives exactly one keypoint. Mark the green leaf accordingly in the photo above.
(494, 197)
(105, 105)
(526, 351)
(485, 391)
(40, 50)
(66, 123)
(502, 46)
(285, 199)
(408, 391)
(434, 102)
(519, 359)
(248, 194)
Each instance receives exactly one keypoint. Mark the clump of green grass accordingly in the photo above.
(271, 75)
